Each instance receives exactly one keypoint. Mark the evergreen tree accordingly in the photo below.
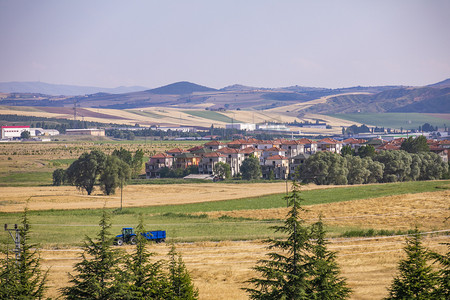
(285, 273)
(97, 275)
(443, 289)
(325, 282)
(146, 279)
(23, 278)
(181, 286)
(416, 279)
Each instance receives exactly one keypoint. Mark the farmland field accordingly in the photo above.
(397, 120)
(217, 227)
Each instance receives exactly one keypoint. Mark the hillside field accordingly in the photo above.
(397, 120)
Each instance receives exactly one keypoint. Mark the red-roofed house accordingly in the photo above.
(176, 151)
(156, 163)
(310, 146)
(234, 158)
(293, 148)
(273, 151)
(354, 143)
(329, 144)
(239, 144)
(215, 145)
(209, 160)
(278, 164)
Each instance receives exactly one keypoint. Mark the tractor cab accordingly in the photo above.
(127, 236)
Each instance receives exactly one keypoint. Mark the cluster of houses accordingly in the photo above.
(278, 158)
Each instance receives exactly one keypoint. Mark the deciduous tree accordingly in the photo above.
(251, 168)
(84, 172)
(222, 170)
(115, 173)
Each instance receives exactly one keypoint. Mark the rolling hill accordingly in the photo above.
(185, 95)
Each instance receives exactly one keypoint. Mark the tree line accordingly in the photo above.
(299, 266)
(110, 171)
(414, 162)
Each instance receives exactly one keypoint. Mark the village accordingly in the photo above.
(278, 158)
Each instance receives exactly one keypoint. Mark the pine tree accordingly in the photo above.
(442, 290)
(325, 282)
(98, 274)
(416, 279)
(181, 286)
(146, 279)
(285, 273)
(23, 278)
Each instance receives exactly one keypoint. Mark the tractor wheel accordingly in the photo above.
(133, 240)
(119, 242)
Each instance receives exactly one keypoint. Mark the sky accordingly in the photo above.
(332, 44)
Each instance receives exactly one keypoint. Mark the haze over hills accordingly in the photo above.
(434, 98)
(62, 89)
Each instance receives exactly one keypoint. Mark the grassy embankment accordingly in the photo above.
(189, 222)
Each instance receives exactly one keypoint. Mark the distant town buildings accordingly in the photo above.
(89, 131)
(14, 132)
(279, 159)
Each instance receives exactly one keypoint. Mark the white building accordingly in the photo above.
(241, 126)
(273, 127)
(14, 132)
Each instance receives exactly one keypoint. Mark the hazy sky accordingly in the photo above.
(219, 43)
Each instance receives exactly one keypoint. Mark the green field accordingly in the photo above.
(69, 227)
(145, 113)
(396, 120)
(212, 115)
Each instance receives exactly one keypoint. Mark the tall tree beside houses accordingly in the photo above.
(250, 168)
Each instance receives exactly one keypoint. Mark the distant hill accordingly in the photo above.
(180, 88)
(434, 98)
(441, 84)
(62, 89)
(411, 99)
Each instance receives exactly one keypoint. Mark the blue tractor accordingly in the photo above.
(128, 236)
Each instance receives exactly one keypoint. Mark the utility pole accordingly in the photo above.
(16, 239)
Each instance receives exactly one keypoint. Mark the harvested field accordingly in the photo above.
(13, 199)
(220, 269)
(428, 211)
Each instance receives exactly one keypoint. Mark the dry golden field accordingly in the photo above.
(219, 270)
